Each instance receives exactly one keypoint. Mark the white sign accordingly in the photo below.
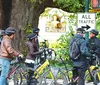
(86, 20)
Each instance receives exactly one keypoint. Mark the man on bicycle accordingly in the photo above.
(80, 64)
(7, 52)
(94, 45)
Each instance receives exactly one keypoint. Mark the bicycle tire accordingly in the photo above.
(25, 75)
(97, 77)
(60, 79)
(90, 77)
(46, 79)
(17, 78)
(43, 79)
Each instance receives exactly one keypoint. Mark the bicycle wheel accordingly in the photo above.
(61, 78)
(97, 77)
(24, 72)
(15, 78)
(20, 75)
(26, 78)
(44, 79)
(53, 77)
(89, 77)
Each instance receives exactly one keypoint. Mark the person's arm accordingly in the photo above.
(32, 50)
(97, 42)
(10, 50)
(84, 50)
(38, 52)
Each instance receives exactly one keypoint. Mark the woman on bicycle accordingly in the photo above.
(31, 53)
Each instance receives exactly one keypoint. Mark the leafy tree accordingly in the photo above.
(22, 13)
(71, 6)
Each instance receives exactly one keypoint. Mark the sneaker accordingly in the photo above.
(34, 81)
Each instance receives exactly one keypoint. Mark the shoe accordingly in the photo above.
(34, 81)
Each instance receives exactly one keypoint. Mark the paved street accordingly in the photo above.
(11, 83)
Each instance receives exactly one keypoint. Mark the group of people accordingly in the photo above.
(87, 50)
(7, 52)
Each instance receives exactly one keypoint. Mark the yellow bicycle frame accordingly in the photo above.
(40, 69)
(92, 67)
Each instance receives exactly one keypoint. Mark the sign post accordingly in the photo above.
(86, 20)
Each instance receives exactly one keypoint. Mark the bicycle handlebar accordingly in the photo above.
(17, 60)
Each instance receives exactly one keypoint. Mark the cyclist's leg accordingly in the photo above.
(5, 65)
(30, 73)
(81, 73)
(75, 72)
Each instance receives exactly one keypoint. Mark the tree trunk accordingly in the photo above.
(1, 14)
(19, 14)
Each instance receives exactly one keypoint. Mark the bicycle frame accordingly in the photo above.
(42, 67)
(12, 71)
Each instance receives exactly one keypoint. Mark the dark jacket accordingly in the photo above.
(32, 50)
(94, 45)
(81, 62)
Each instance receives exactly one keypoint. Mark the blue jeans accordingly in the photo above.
(5, 65)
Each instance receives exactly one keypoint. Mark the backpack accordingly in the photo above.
(74, 49)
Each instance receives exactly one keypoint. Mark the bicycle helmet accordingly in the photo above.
(31, 36)
(36, 30)
(2, 32)
(94, 31)
(10, 30)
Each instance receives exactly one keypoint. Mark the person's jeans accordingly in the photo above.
(5, 66)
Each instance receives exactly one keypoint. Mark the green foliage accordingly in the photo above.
(98, 23)
(62, 44)
(71, 5)
(34, 1)
(31, 1)
(28, 29)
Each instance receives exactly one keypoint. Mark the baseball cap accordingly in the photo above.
(80, 30)
(10, 30)
(36, 30)
(94, 31)
(32, 35)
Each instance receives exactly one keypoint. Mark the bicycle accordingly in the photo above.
(38, 71)
(14, 73)
(41, 71)
(58, 76)
(94, 72)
